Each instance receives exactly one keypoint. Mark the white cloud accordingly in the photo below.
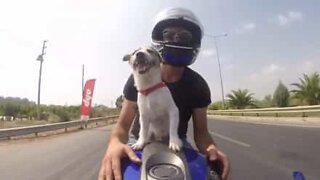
(294, 15)
(249, 26)
(267, 71)
(244, 28)
(308, 66)
(263, 81)
(208, 52)
(282, 20)
(272, 68)
(288, 18)
(253, 76)
(229, 67)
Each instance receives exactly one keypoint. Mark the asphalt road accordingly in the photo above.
(268, 151)
(256, 152)
(71, 156)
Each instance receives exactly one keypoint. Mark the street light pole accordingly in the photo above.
(40, 58)
(218, 59)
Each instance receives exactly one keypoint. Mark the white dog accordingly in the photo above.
(159, 115)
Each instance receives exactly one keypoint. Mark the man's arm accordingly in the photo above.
(117, 147)
(201, 134)
(205, 143)
(122, 127)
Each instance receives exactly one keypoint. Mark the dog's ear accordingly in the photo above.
(126, 57)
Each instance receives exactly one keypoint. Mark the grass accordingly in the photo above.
(23, 123)
(52, 119)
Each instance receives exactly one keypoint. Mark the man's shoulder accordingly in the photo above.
(199, 90)
(194, 76)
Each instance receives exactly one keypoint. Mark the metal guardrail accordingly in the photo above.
(20, 131)
(296, 108)
(313, 111)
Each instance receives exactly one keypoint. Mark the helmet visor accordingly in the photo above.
(177, 35)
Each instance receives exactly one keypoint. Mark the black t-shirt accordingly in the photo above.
(190, 92)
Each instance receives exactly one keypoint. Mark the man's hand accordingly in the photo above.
(215, 155)
(111, 164)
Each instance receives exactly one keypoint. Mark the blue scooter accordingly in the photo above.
(160, 163)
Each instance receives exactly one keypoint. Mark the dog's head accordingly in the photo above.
(143, 59)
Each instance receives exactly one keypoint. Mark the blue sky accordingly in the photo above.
(267, 41)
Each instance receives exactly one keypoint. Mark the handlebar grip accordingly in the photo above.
(215, 169)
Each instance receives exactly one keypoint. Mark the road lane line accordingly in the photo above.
(230, 139)
(286, 125)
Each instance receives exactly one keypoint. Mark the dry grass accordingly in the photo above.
(20, 123)
(54, 132)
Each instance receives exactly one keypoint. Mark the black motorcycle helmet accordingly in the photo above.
(177, 53)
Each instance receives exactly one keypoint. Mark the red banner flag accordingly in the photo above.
(87, 98)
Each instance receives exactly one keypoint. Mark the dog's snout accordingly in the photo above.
(141, 58)
(140, 55)
(141, 61)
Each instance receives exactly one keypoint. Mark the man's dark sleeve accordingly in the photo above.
(203, 96)
(129, 90)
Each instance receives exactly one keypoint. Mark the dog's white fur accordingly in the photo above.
(159, 115)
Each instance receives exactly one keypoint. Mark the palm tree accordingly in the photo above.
(240, 99)
(308, 89)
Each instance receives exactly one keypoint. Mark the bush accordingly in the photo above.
(281, 95)
(217, 105)
(64, 117)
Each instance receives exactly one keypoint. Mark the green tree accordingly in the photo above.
(215, 106)
(11, 109)
(308, 89)
(1, 109)
(281, 95)
(265, 102)
(119, 101)
(293, 101)
(268, 101)
(240, 99)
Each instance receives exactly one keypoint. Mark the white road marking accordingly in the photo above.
(282, 124)
(231, 140)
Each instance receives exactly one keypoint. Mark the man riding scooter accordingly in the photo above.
(177, 35)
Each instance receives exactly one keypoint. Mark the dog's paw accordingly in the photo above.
(138, 145)
(175, 144)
